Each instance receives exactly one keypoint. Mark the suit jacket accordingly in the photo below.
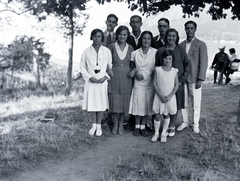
(113, 38)
(157, 42)
(198, 58)
(131, 41)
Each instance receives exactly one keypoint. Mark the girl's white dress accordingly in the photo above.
(165, 83)
(142, 93)
(95, 94)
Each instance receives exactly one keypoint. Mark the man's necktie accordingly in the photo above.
(108, 42)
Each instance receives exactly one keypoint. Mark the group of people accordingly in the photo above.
(227, 64)
(144, 76)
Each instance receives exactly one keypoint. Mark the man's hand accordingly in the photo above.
(139, 76)
(132, 73)
(198, 84)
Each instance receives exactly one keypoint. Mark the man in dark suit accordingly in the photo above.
(135, 23)
(198, 58)
(109, 35)
(218, 62)
(163, 26)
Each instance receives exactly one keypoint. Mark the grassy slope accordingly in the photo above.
(212, 155)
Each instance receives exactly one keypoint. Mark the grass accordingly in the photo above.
(212, 155)
(24, 139)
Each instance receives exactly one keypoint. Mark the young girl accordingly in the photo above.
(95, 61)
(142, 92)
(120, 85)
(165, 83)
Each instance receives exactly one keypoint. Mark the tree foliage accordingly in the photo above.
(69, 12)
(216, 8)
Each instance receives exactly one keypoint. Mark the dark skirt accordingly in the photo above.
(119, 103)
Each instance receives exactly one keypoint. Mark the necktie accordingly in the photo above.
(108, 42)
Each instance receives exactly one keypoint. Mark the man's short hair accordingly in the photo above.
(112, 16)
(232, 50)
(136, 16)
(165, 20)
(191, 22)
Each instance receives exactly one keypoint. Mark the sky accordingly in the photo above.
(58, 46)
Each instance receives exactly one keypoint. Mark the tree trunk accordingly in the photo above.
(4, 79)
(38, 85)
(70, 53)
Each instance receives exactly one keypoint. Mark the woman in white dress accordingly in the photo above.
(94, 63)
(165, 83)
(142, 92)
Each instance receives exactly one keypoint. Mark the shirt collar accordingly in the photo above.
(190, 41)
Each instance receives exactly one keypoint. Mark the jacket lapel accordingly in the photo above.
(192, 47)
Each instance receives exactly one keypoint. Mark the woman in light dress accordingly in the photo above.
(95, 62)
(141, 101)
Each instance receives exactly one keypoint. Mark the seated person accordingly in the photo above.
(232, 65)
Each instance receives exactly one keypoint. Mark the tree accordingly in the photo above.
(216, 9)
(69, 12)
(20, 54)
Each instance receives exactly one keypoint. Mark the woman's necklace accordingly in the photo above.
(96, 47)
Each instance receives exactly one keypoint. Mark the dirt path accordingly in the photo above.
(89, 165)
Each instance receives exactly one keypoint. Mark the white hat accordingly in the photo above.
(221, 47)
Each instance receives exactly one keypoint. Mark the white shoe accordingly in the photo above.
(182, 126)
(171, 132)
(92, 130)
(155, 138)
(196, 129)
(99, 130)
(163, 138)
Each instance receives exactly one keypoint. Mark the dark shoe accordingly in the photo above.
(149, 127)
(228, 80)
(144, 132)
(136, 132)
(215, 82)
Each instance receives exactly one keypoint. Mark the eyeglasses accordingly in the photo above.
(162, 26)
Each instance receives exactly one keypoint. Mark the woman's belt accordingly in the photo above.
(118, 65)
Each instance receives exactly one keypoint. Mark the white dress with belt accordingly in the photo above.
(95, 94)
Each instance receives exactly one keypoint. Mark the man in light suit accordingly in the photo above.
(109, 35)
(198, 58)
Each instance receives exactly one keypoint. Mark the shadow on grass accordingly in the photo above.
(30, 142)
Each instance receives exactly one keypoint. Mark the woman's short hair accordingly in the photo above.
(172, 30)
(120, 29)
(144, 33)
(95, 31)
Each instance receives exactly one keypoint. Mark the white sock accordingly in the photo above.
(142, 127)
(156, 126)
(137, 126)
(165, 125)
